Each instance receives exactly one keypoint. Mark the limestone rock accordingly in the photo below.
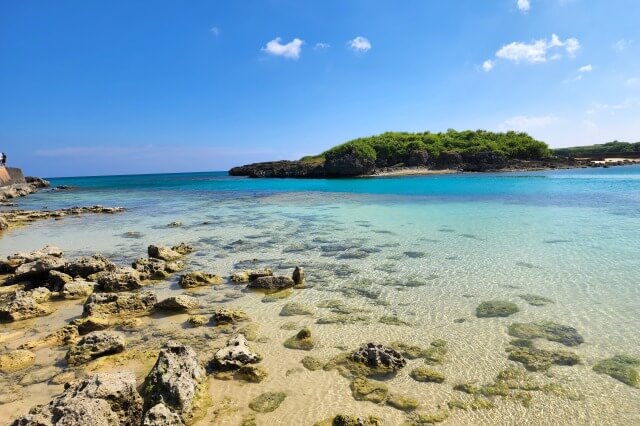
(78, 289)
(250, 275)
(89, 265)
(38, 269)
(22, 306)
(379, 357)
(99, 400)
(16, 360)
(94, 345)
(121, 279)
(197, 279)
(178, 303)
(160, 415)
(174, 380)
(112, 304)
(15, 260)
(272, 283)
(163, 253)
(228, 316)
(57, 280)
(301, 341)
(234, 355)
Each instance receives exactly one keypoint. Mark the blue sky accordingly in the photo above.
(118, 87)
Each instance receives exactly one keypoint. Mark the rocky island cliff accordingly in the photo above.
(466, 151)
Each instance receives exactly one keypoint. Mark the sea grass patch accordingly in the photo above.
(496, 308)
(621, 367)
(549, 330)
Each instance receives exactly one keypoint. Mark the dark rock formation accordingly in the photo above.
(379, 356)
(348, 164)
(89, 265)
(178, 303)
(272, 283)
(280, 169)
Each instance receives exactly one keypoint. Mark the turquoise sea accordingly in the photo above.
(426, 250)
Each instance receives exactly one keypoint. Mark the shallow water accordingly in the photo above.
(426, 249)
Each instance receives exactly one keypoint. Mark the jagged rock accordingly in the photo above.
(160, 415)
(121, 279)
(250, 275)
(89, 265)
(298, 275)
(197, 279)
(271, 283)
(228, 316)
(417, 158)
(174, 224)
(95, 345)
(78, 289)
(347, 162)
(62, 336)
(16, 360)
(57, 280)
(112, 304)
(87, 325)
(483, 161)
(15, 260)
(183, 249)
(22, 306)
(198, 320)
(379, 357)
(234, 355)
(174, 380)
(38, 269)
(178, 303)
(251, 373)
(163, 253)
(99, 400)
(40, 294)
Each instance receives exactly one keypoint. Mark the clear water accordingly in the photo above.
(572, 236)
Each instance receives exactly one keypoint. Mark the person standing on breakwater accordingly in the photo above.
(3, 159)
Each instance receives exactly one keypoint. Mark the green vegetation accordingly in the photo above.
(614, 147)
(621, 367)
(393, 148)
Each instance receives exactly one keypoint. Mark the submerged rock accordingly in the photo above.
(402, 402)
(621, 367)
(272, 283)
(295, 308)
(175, 380)
(301, 341)
(113, 304)
(234, 355)
(549, 330)
(368, 390)
(267, 402)
(16, 360)
(22, 306)
(94, 345)
(102, 399)
(379, 358)
(344, 420)
(178, 303)
(496, 308)
(198, 279)
(311, 363)
(425, 374)
(251, 373)
(534, 300)
(436, 352)
(535, 359)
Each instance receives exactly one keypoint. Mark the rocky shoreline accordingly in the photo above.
(419, 163)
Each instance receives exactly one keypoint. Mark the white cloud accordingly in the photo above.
(586, 68)
(215, 31)
(527, 123)
(359, 44)
(488, 65)
(524, 5)
(289, 50)
(536, 51)
(622, 44)
(321, 46)
(633, 82)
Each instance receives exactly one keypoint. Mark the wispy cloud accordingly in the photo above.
(527, 123)
(321, 46)
(289, 50)
(359, 44)
(622, 44)
(524, 5)
(215, 31)
(586, 68)
(488, 65)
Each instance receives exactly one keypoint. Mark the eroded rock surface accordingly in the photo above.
(234, 355)
(94, 345)
(118, 304)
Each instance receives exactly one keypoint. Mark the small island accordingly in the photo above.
(403, 153)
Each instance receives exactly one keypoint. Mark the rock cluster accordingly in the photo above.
(20, 217)
(379, 357)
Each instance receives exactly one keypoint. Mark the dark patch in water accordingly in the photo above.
(415, 254)
(471, 237)
(527, 265)
(445, 230)
(556, 241)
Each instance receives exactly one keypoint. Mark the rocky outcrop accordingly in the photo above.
(483, 162)
(22, 217)
(272, 283)
(77, 289)
(280, 169)
(120, 279)
(95, 345)
(198, 279)
(160, 415)
(21, 306)
(180, 303)
(16, 260)
(169, 254)
(250, 275)
(102, 399)
(156, 269)
(85, 266)
(234, 355)
(119, 304)
(174, 380)
(348, 164)
(16, 360)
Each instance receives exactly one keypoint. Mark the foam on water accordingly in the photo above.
(457, 240)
